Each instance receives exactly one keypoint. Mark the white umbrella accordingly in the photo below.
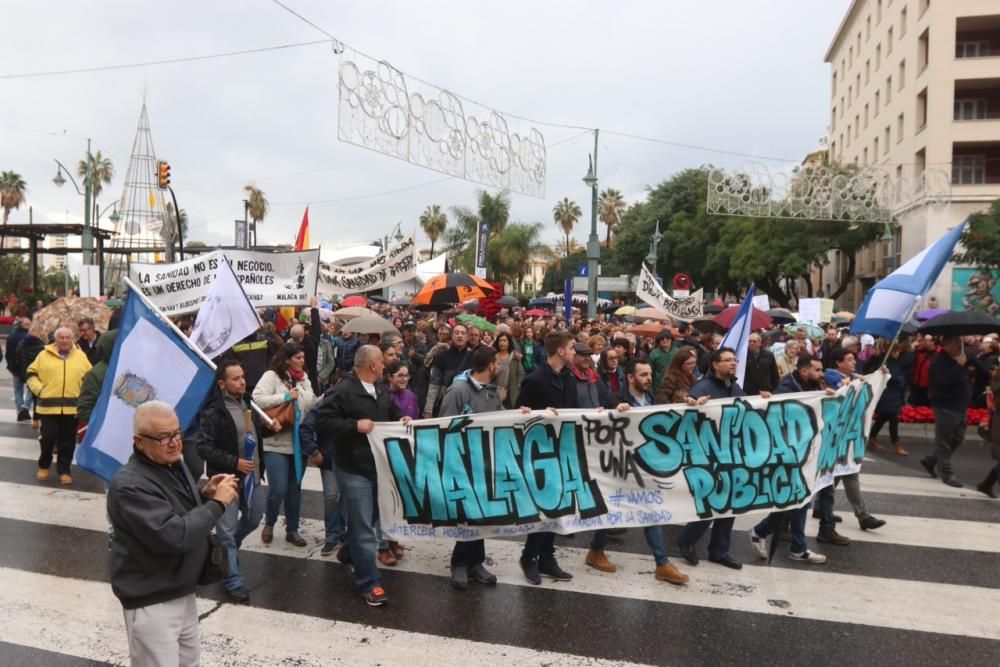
(353, 312)
(370, 324)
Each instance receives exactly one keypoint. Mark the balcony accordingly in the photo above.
(977, 47)
(975, 164)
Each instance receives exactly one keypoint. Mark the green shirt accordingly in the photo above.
(660, 361)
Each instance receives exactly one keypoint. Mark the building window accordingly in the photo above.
(841, 106)
(866, 116)
(923, 51)
(875, 149)
(902, 74)
(834, 84)
(888, 42)
(878, 11)
(868, 70)
(868, 28)
(888, 89)
(859, 43)
(864, 159)
(857, 83)
(922, 110)
(848, 144)
(833, 119)
(878, 96)
(857, 125)
(899, 128)
(885, 141)
(878, 56)
(850, 57)
(976, 49)
(968, 170)
(970, 109)
(924, 4)
(902, 22)
(850, 95)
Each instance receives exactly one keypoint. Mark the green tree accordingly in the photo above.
(460, 239)
(97, 171)
(12, 191)
(610, 208)
(566, 213)
(494, 210)
(511, 250)
(433, 221)
(168, 232)
(15, 275)
(54, 281)
(559, 269)
(258, 204)
(981, 239)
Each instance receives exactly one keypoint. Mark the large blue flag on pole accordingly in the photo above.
(738, 336)
(151, 361)
(891, 301)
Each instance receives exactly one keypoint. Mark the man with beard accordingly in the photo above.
(448, 364)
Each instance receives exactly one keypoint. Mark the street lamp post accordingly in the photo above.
(87, 236)
(397, 235)
(593, 242)
(654, 245)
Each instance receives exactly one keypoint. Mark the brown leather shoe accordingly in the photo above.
(669, 573)
(267, 534)
(65, 479)
(833, 537)
(295, 539)
(43, 474)
(874, 445)
(386, 558)
(397, 549)
(597, 560)
(899, 449)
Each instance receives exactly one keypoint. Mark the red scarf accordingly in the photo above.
(590, 378)
(297, 376)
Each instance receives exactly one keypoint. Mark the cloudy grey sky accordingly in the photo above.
(738, 75)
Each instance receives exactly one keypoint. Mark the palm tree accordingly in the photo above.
(566, 213)
(433, 221)
(610, 208)
(257, 206)
(511, 251)
(96, 171)
(494, 210)
(168, 232)
(562, 250)
(12, 189)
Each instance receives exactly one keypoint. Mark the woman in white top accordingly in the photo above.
(285, 381)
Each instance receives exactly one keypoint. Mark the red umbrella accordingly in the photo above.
(354, 301)
(758, 318)
(536, 312)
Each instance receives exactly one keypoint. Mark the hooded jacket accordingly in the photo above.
(56, 381)
(468, 396)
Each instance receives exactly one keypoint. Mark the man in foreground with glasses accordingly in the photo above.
(160, 522)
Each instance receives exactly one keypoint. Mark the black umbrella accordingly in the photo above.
(541, 302)
(713, 309)
(960, 324)
(781, 316)
(508, 300)
(707, 325)
(400, 301)
(909, 328)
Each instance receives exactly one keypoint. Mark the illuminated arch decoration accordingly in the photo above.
(383, 110)
(819, 192)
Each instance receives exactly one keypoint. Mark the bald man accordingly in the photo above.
(55, 378)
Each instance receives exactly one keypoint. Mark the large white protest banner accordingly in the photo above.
(397, 264)
(268, 278)
(504, 473)
(683, 308)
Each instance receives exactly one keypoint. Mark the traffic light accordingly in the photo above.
(163, 171)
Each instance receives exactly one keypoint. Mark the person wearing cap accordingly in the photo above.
(590, 391)
(661, 356)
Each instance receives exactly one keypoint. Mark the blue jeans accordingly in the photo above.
(654, 540)
(282, 487)
(797, 520)
(333, 507)
(23, 399)
(360, 501)
(233, 527)
(718, 544)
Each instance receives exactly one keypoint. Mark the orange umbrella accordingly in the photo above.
(452, 288)
(647, 330)
(651, 314)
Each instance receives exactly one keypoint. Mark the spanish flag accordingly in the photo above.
(302, 240)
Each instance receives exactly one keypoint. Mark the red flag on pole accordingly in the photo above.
(302, 240)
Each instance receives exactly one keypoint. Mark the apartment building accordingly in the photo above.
(57, 241)
(915, 90)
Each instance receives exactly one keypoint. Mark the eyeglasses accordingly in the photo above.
(162, 440)
(610, 358)
(402, 376)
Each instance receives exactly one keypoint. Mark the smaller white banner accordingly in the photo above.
(687, 308)
(396, 265)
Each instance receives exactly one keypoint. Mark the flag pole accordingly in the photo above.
(187, 341)
(895, 339)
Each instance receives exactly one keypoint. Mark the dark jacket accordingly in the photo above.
(307, 434)
(90, 349)
(761, 372)
(622, 380)
(790, 384)
(90, 390)
(215, 437)
(345, 352)
(159, 532)
(544, 388)
(713, 387)
(254, 353)
(891, 401)
(337, 422)
(15, 337)
(27, 350)
(950, 385)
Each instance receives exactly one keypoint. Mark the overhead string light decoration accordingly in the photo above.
(820, 192)
(382, 109)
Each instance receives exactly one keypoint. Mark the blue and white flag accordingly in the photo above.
(738, 336)
(890, 302)
(226, 316)
(151, 361)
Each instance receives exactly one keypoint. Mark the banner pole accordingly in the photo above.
(187, 341)
(895, 339)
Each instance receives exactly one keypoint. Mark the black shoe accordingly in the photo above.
(481, 575)
(689, 554)
(870, 523)
(552, 569)
(460, 577)
(376, 597)
(328, 548)
(239, 595)
(530, 569)
(929, 467)
(952, 481)
(726, 561)
(23, 416)
(836, 517)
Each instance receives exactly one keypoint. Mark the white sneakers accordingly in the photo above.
(808, 557)
(759, 546)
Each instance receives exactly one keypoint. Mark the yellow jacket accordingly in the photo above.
(56, 381)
